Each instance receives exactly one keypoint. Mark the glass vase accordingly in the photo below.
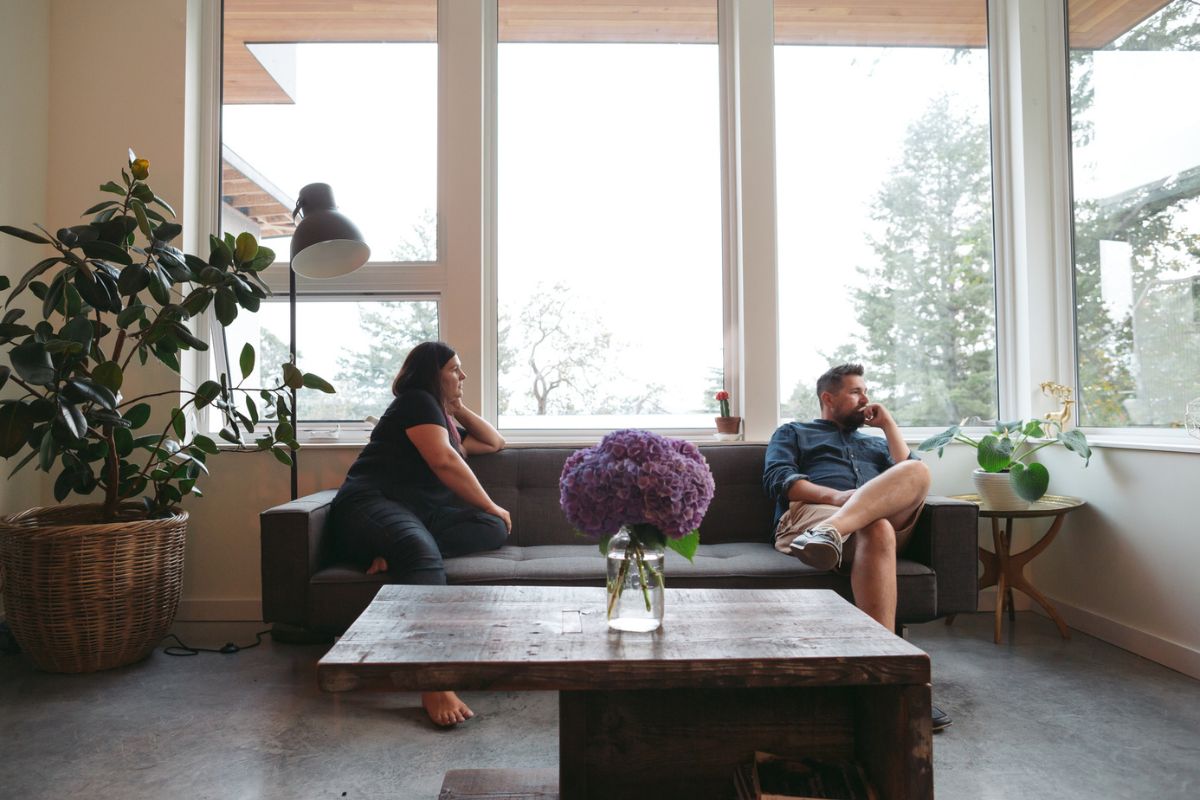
(635, 583)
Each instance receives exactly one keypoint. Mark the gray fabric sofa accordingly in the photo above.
(305, 586)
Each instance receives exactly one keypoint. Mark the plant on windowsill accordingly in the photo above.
(1006, 478)
(111, 301)
(726, 424)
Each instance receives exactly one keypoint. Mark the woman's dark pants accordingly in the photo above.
(369, 525)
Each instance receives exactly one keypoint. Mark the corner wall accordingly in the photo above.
(24, 129)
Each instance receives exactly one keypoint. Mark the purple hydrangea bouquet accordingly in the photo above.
(654, 489)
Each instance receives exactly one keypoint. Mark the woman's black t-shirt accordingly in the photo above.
(391, 464)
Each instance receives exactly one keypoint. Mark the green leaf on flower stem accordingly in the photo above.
(178, 423)
(109, 375)
(138, 416)
(32, 362)
(206, 393)
(24, 234)
(264, 258)
(165, 205)
(81, 390)
(995, 455)
(129, 315)
(246, 360)
(1030, 482)
(106, 251)
(113, 188)
(292, 377)
(252, 410)
(219, 256)
(312, 381)
(282, 455)
(16, 419)
(37, 270)
(206, 444)
(47, 451)
(124, 441)
(686, 545)
(139, 213)
(226, 306)
(1076, 442)
(245, 247)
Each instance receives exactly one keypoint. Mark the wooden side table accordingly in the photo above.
(1006, 570)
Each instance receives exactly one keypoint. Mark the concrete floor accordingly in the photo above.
(1036, 717)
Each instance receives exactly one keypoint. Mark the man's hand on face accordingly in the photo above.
(876, 416)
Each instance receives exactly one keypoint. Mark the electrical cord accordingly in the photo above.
(227, 649)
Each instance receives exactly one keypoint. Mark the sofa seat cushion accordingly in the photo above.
(739, 565)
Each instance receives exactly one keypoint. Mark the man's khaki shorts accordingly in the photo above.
(801, 516)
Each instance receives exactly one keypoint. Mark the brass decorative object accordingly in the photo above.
(1061, 394)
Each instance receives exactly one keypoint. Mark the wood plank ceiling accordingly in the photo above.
(934, 23)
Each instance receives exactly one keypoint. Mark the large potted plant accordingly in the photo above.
(93, 586)
(1006, 478)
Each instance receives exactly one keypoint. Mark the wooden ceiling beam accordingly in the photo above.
(932, 23)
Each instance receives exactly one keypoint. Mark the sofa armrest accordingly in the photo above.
(946, 539)
(294, 547)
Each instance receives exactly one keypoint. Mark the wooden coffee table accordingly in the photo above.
(798, 673)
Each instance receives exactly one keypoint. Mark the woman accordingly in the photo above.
(410, 500)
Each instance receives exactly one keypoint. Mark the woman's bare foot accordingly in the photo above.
(445, 709)
(378, 565)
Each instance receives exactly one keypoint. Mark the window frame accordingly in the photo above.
(1032, 202)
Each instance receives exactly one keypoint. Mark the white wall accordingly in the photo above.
(24, 124)
(1123, 568)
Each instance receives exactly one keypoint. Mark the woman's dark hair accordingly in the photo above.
(422, 367)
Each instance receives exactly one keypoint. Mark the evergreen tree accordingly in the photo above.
(390, 331)
(928, 302)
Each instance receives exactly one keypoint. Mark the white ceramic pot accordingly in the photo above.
(997, 492)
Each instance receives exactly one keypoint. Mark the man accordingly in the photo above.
(845, 500)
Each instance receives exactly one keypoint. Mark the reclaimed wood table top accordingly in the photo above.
(556, 638)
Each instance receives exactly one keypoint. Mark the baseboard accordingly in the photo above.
(1173, 655)
(219, 610)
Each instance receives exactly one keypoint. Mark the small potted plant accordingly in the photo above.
(726, 423)
(1006, 478)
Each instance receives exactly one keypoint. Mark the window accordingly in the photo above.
(1136, 181)
(344, 96)
(884, 192)
(609, 228)
(373, 338)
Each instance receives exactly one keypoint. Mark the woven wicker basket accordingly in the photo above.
(82, 595)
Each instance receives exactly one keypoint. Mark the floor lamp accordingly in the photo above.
(325, 245)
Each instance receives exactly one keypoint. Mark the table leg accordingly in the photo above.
(660, 743)
(1000, 542)
(1017, 579)
(1008, 595)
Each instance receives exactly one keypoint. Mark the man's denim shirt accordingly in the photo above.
(820, 452)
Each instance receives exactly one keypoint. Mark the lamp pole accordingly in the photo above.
(325, 244)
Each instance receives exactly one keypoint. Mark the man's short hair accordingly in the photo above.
(831, 381)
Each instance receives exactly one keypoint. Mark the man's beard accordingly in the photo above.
(852, 420)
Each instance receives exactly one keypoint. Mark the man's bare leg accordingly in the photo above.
(445, 709)
(893, 495)
(873, 572)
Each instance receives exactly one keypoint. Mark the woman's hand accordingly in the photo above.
(502, 514)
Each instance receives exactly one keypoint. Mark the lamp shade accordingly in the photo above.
(326, 244)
